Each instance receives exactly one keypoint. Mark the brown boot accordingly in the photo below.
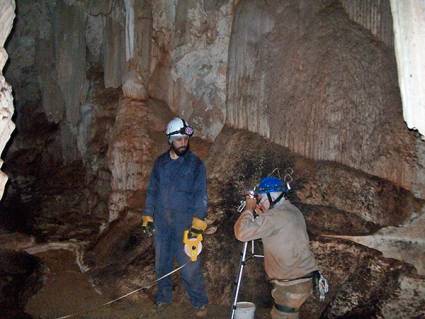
(201, 312)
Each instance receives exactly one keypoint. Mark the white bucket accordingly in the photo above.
(245, 310)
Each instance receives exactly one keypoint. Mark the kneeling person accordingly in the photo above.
(288, 260)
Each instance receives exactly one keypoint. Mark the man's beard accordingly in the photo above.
(181, 150)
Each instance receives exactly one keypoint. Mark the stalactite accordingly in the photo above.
(129, 29)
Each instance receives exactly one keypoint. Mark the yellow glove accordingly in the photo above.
(192, 238)
(147, 225)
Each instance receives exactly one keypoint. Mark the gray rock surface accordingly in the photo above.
(114, 46)
(374, 15)
(70, 57)
(189, 60)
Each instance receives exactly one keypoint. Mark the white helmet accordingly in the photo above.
(178, 127)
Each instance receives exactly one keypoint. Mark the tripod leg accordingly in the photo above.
(239, 278)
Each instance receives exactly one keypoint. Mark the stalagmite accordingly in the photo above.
(409, 40)
(138, 28)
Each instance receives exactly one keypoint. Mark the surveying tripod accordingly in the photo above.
(243, 261)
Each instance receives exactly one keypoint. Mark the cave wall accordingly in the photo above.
(59, 43)
(342, 207)
(50, 43)
(373, 15)
(316, 77)
(189, 60)
(357, 120)
(7, 14)
(127, 36)
(195, 57)
(19, 271)
(409, 29)
(321, 85)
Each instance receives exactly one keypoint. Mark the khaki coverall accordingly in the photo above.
(287, 255)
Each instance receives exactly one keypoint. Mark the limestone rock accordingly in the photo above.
(133, 86)
(22, 47)
(315, 78)
(404, 243)
(7, 14)
(129, 157)
(100, 7)
(374, 15)
(6, 112)
(409, 31)
(315, 82)
(50, 45)
(335, 199)
(94, 38)
(405, 303)
(84, 129)
(114, 47)
(6, 18)
(362, 282)
(70, 58)
(189, 60)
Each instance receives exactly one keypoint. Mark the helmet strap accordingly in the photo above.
(274, 202)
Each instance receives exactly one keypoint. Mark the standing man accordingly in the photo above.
(176, 202)
(288, 261)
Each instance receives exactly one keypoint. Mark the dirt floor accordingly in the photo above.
(67, 291)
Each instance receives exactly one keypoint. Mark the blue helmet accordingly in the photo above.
(271, 184)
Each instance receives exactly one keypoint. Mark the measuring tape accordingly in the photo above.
(122, 297)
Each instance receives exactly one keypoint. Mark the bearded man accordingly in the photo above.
(176, 202)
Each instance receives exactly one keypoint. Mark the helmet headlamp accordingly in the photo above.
(185, 130)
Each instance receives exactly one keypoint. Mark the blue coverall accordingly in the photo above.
(177, 192)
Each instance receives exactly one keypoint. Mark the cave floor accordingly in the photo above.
(67, 291)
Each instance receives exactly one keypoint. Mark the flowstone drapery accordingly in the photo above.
(7, 14)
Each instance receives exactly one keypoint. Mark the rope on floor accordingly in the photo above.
(123, 296)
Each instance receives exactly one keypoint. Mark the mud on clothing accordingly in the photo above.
(177, 192)
(289, 296)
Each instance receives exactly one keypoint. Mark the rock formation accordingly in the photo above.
(7, 14)
(336, 200)
(189, 60)
(349, 89)
(310, 85)
(409, 33)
